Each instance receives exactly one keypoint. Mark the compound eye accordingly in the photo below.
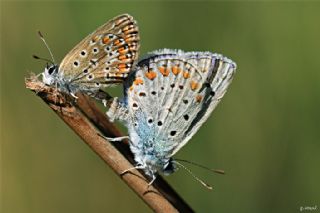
(170, 168)
(51, 69)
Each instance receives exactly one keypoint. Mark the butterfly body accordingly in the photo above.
(51, 76)
(149, 151)
(103, 58)
(167, 98)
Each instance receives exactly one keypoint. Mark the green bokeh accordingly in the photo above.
(265, 133)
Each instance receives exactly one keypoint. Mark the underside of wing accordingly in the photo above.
(104, 57)
(218, 75)
(174, 93)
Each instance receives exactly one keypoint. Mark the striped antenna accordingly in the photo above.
(45, 43)
(193, 175)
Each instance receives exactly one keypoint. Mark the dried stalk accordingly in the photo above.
(87, 121)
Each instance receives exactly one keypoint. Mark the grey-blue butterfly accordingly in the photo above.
(168, 96)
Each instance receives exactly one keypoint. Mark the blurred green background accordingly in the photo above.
(265, 133)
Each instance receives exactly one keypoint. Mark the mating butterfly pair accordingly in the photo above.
(168, 95)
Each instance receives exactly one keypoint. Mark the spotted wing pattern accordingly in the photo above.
(172, 94)
(106, 56)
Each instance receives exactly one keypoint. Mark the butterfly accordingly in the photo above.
(168, 96)
(103, 58)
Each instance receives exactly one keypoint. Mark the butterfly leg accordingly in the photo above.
(73, 95)
(40, 74)
(132, 168)
(104, 102)
(102, 96)
(153, 179)
(117, 138)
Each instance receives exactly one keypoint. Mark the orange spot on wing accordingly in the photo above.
(194, 85)
(122, 68)
(164, 71)
(176, 70)
(199, 98)
(129, 28)
(122, 50)
(186, 75)
(122, 57)
(131, 88)
(116, 42)
(130, 38)
(105, 40)
(151, 75)
(138, 81)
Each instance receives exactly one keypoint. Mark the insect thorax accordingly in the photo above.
(52, 76)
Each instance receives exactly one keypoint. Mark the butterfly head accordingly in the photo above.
(152, 165)
(169, 168)
(49, 74)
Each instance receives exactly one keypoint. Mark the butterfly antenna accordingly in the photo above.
(218, 171)
(193, 175)
(44, 59)
(45, 43)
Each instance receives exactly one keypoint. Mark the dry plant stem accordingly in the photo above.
(87, 121)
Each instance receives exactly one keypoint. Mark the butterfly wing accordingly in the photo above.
(105, 56)
(218, 74)
(173, 93)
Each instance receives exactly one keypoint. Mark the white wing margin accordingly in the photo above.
(220, 75)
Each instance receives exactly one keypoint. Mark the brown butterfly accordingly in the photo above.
(103, 58)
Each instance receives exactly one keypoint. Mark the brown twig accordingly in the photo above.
(87, 121)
